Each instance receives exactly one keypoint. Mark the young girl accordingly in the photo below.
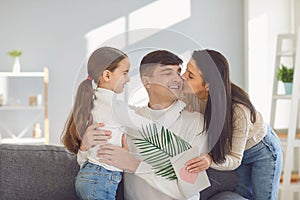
(245, 141)
(108, 68)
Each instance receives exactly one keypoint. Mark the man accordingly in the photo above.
(160, 74)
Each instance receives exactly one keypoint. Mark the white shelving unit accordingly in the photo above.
(19, 137)
(291, 142)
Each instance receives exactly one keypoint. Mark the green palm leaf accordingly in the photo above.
(157, 149)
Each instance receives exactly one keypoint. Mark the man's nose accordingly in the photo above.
(179, 78)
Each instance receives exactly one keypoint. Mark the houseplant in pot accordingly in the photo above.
(286, 75)
(16, 55)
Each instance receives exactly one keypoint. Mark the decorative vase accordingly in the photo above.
(288, 87)
(17, 65)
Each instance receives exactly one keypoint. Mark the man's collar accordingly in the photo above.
(165, 117)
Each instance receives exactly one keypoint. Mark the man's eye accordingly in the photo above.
(191, 77)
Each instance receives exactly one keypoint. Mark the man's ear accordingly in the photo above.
(145, 81)
(106, 75)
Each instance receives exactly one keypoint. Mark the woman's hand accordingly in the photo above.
(119, 157)
(93, 136)
(199, 163)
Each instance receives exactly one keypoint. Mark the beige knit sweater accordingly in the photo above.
(245, 134)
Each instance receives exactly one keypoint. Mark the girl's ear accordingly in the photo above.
(145, 82)
(106, 75)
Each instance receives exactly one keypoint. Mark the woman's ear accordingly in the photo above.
(106, 75)
(206, 87)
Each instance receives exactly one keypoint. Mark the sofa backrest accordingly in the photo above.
(37, 172)
(47, 172)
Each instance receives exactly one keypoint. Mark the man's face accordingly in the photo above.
(165, 83)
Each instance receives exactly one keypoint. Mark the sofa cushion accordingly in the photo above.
(227, 195)
(37, 172)
(220, 181)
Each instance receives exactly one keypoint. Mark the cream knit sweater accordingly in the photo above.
(244, 136)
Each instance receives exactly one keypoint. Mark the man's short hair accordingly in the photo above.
(156, 58)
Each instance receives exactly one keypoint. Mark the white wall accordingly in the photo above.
(297, 14)
(53, 34)
(266, 20)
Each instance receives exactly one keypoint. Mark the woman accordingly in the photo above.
(245, 141)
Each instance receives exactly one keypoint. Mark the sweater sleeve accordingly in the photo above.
(240, 132)
(81, 157)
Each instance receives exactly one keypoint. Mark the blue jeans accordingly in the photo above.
(259, 173)
(96, 182)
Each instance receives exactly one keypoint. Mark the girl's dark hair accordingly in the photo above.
(104, 58)
(226, 96)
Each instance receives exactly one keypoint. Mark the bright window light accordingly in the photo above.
(102, 34)
(149, 16)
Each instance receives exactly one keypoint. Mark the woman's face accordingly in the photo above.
(194, 82)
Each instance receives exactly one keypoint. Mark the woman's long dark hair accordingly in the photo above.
(223, 97)
(104, 58)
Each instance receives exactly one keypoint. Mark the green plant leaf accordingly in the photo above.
(285, 74)
(15, 53)
(157, 149)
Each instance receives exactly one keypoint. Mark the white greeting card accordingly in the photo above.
(189, 183)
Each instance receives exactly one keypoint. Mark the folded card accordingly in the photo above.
(189, 183)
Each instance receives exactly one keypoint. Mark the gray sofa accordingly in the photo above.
(47, 172)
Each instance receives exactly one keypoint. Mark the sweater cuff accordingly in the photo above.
(82, 153)
(81, 157)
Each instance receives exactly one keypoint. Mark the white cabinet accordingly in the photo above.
(39, 110)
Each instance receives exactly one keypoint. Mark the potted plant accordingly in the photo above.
(286, 75)
(16, 55)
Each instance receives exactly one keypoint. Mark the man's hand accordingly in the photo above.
(93, 136)
(118, 157)
(199, 163)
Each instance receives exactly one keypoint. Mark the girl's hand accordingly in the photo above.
(118, 157)
(199, 163)
(93, 136)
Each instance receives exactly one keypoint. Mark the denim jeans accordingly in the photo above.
(96, 182)
(259, 173)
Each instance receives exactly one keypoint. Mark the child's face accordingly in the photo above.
(119, 77)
